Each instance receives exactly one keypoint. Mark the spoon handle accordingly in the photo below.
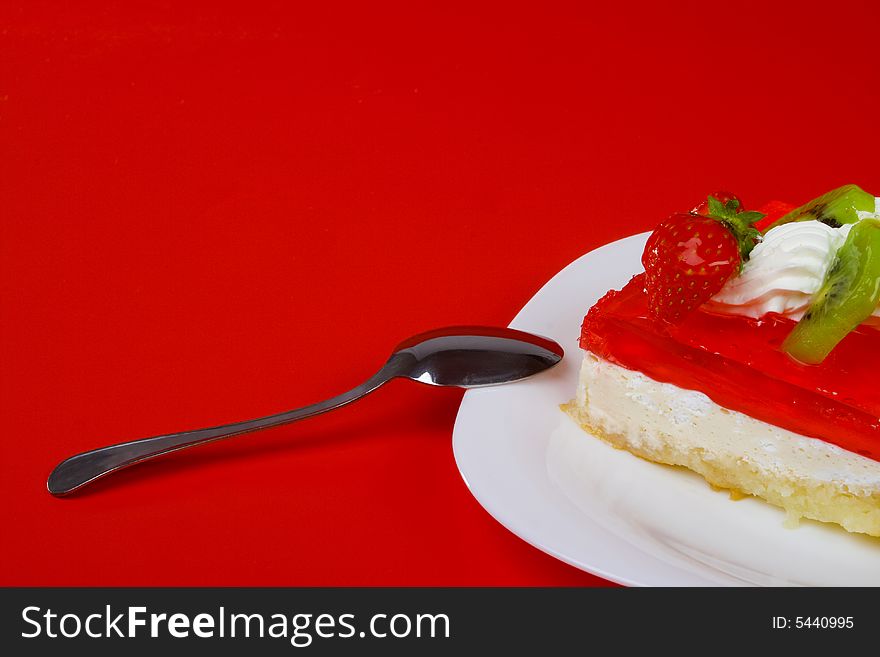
(84, 468)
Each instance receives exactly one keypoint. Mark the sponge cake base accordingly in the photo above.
(660, 422)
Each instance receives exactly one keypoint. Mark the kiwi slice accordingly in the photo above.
(834, 208)
(848, 296)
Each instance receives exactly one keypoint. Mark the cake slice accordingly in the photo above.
(751, 359)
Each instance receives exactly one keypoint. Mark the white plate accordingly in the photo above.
(608, 512)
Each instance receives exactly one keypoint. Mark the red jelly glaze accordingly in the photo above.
(773, 211)
(737, 362)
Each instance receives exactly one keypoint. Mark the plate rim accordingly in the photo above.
(489, 506)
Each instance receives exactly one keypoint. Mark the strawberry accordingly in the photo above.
(689, 257)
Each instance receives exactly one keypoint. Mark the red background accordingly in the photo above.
(213, 213)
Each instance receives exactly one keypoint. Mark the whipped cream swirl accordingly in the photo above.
(784, 271)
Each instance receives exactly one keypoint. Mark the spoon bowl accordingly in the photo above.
(474, 357)
(462, 356)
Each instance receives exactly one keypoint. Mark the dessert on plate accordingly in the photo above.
(749, 351)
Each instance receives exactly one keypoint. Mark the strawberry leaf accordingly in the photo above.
(718, 210)
(751, 216)
(738, 223)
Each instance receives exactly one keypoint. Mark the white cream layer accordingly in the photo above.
(646, 412)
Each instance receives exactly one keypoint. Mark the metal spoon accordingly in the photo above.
(463, 356)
